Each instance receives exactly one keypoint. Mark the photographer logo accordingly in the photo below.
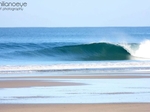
(12, 6)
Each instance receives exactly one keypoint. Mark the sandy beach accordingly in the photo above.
(77, 108)
(32, 83)
(21, 82)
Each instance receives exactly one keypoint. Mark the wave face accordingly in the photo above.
(86, 52)
(95, 51)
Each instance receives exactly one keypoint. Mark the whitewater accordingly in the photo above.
(141, 51)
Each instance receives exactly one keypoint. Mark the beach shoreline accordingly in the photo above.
(39, 81)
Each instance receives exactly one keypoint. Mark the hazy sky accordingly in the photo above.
(78, 13)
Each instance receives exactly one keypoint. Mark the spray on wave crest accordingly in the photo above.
(140, 51)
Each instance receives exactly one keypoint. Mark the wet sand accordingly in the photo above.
(18, 82)
(77, 108)
(33, 83)
(89, 77)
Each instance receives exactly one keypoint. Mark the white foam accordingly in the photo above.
(76, 66)
(142, 52)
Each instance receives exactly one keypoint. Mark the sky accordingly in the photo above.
(77, 13)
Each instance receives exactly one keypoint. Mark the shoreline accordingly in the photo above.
(34, 83)
(86, 77)
(39, 81)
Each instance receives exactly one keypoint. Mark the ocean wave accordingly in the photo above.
(94, 51)
(75, 52)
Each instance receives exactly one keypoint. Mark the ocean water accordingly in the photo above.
(105, 49)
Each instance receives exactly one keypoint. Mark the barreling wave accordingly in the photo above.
(87, 52)
(74, 51)
(95, 51)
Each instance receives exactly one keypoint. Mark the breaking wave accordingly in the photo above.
(83, 52)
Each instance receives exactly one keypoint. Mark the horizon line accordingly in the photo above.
(72, 26)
